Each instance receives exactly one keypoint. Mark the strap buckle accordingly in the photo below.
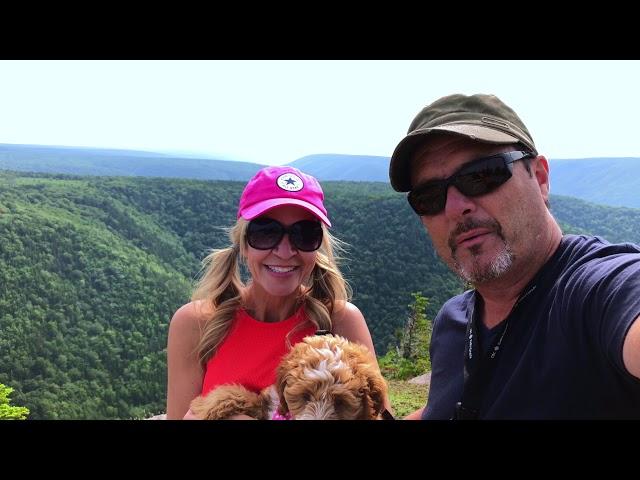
(463, 413)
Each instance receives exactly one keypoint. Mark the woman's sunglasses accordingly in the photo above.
(476, 178)
(266, 233)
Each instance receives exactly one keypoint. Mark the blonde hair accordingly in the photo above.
(220, 288)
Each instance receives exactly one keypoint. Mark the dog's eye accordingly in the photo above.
(307, 397)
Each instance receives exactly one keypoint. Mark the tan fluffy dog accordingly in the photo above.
(324, 377)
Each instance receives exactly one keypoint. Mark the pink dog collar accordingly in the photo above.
(277, 416)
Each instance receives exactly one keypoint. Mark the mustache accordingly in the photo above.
(471, 224)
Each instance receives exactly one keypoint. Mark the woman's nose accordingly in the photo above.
(285, 249)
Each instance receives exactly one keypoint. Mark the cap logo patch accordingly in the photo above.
(290, 182)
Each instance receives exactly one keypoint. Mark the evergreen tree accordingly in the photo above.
(416, 334)
(410, 357)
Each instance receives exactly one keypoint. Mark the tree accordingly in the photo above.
(416, 334)
(7, 412)
(410, 357)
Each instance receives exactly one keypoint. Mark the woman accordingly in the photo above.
(233, 332)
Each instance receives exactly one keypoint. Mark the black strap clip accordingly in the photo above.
(386, 415)
(463, 413)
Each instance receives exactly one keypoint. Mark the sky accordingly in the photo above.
(274, 112)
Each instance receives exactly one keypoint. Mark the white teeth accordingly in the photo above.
(280, 269)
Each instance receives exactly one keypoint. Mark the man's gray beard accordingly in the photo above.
(478, 274)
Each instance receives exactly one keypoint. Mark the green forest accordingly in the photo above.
(92, 269)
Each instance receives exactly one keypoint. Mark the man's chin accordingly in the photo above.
(478, 271)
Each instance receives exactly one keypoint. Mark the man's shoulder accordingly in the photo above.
(594, 245)
(592, 254)
(587, 264)
(461, 300)
(456, 307)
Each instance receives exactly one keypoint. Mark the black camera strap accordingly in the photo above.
(479, 368)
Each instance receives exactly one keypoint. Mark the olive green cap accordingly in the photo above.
(484, 118)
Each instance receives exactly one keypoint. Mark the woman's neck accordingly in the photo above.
(267, 308)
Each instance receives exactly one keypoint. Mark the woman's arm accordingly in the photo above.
(348, 322)
(417, 415)
(185, 375)
(631, 349)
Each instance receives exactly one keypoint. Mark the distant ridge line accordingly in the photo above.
(601, 180)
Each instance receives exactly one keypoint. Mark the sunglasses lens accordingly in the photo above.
(263, 234)
(477, 178)
(483, 177)
(306, 235)
(428, 200)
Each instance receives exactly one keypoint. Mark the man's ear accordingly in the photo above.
(540, 167)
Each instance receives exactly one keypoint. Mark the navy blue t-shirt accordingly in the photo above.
(561, 357)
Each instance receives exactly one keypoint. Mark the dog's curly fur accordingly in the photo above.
(323, 377)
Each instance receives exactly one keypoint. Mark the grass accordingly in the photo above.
(406, 397)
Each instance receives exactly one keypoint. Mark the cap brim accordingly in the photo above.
(262, 207)
(399, 166)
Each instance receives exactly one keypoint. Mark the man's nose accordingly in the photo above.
(458, 204)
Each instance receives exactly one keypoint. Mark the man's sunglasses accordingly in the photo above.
(477, 177)
(266, 233)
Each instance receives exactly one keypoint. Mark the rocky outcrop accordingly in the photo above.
(421, 379)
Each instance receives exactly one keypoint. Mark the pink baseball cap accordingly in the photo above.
(275, 186)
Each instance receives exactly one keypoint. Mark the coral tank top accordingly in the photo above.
(252, 350)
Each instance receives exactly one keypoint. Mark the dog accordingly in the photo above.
(323, 377)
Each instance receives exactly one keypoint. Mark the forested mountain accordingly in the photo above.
(608, 181)
(92, 268)
(87, 286)
(616, 224)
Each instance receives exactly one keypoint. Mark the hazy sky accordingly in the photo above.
(277, 111)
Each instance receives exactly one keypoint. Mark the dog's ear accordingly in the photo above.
(282, 374)
(374, 387)
(371, 383)
(199, 407)
(377, 394)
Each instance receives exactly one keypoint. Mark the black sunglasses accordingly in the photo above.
(477, 177)
(266, 233)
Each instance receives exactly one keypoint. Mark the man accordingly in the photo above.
(551, 329)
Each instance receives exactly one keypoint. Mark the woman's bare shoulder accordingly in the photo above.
(346, 311)
(348, 320)
(192, 315)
